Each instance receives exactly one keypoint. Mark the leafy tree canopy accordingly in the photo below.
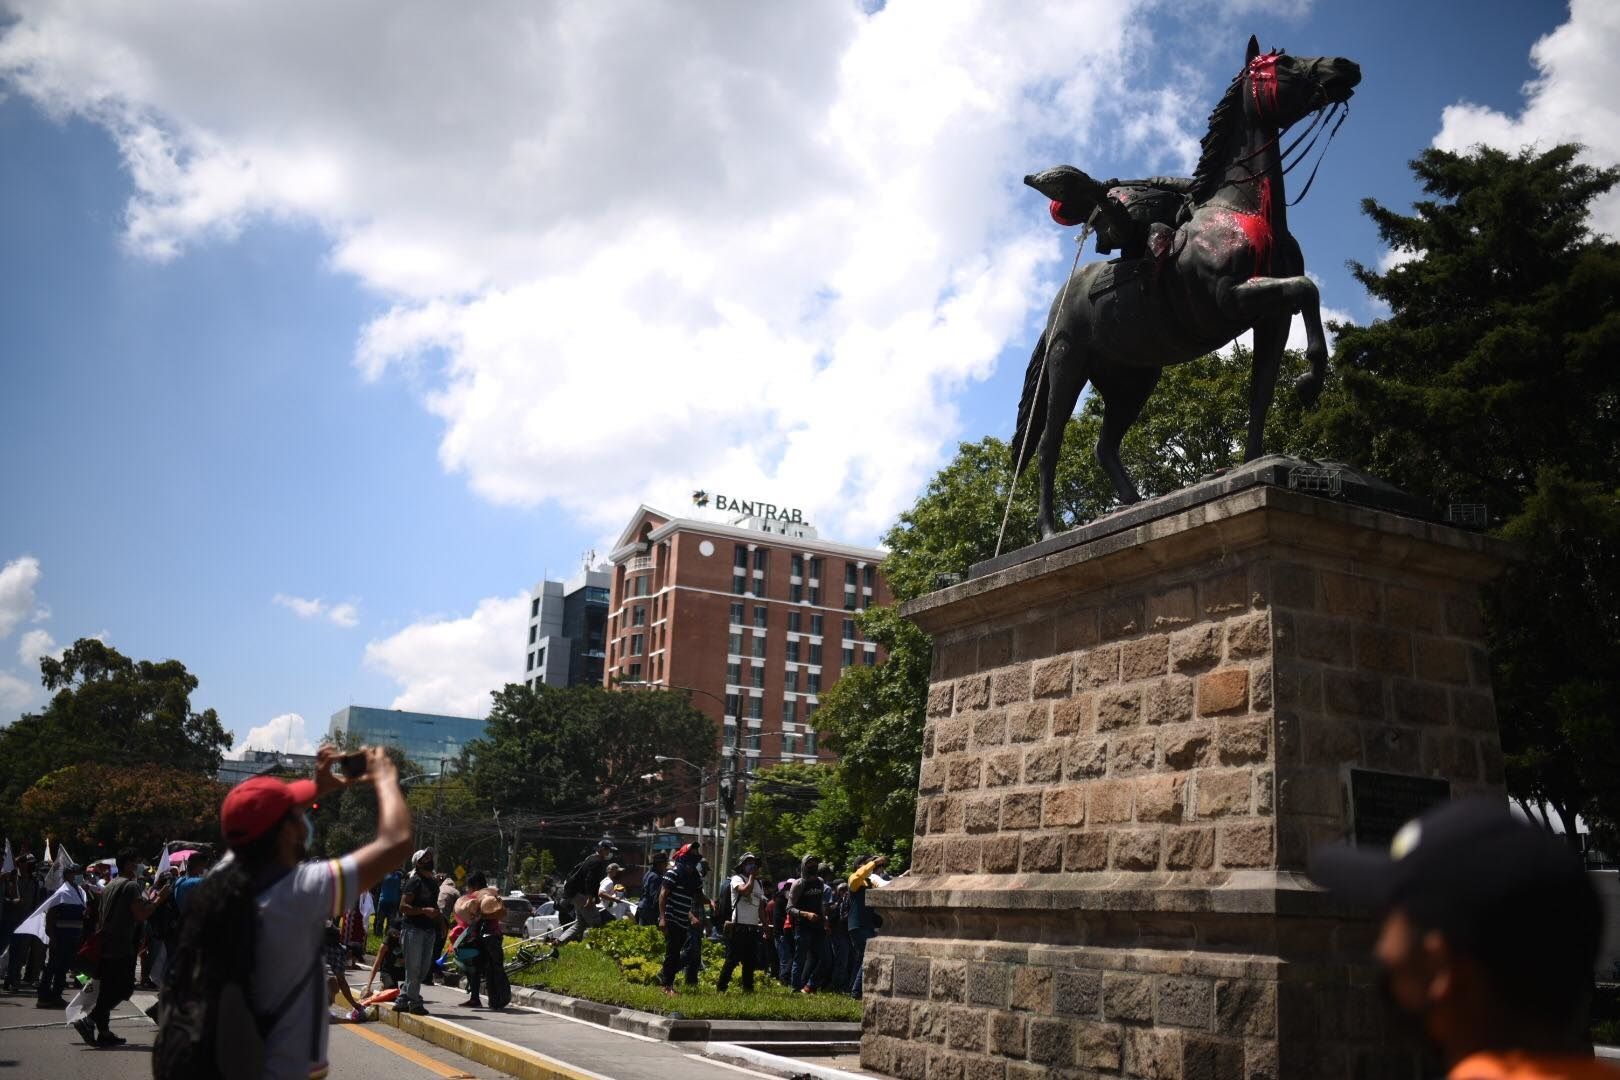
(97, 809)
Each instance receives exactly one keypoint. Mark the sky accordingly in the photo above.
(327, 330)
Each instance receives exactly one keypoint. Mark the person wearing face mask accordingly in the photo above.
(742, 932)
(1488, 935)
(419, 907)
(121, 911)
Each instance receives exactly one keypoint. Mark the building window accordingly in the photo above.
(815, 625)
(815, 594)
(798, 566)
(731, 734)
(540, 658)
(793, 622)
(812, 682)
(534, 608)
(760, 617)
(734, 645)
(736, 613)
(849, 657)
(790, 680)
(753, 744)
(532, 631)
(793, 652)
(531, 662)
(641, 586)
(756, 708)
(869, 577)
(815, 567)
(739, 558)
(760, 557)
(638, 615)
(733, 704)
(790, 744)
(733, 674)
(849, 599)
(756, 679)
(635, 672)
(790, 710)
(815, 652)
(638, 644)
(810, 742)
(810, 708)
(849, 629)
(849, 575)
(759, 646)
(796, 593)
(869, 658)
(739, 585)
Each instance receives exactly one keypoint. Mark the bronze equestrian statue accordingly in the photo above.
(1201, 261)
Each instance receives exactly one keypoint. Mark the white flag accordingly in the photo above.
(163, 864)
(35, 923)
(62, 861)
(367, 906)
(7, 866)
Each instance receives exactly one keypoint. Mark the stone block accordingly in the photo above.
(1222, 792)
(969, 1029)
(1477, 712)
(1085, 851)
(1189, 747)
(1021, 810)
(1027, 723)
(1161, 799)
(1441, 660)
(1260, 681)
(1353, 694)
(1007, 1034)
(1136, 850)
(981, 1068)
(951, 736)
(1206, 1058)
(1078, 993)
(1323, 638)
(1225, 594)
(954, 659)
(931, 777)
(1329, 740)
(1346, 594)
(1121, 619)
(1245, 1007)
(1051, 1043)
(1010, 684)
(1064, 806)
(1127, 997)
(1223, 692)
(1108, 802)
(1395, 748)
(1452, 756)
(1053, 677)
(1170, 700)
(1464, 617)
(947, 981)
(1041, 854)
(995, 649)
(928, 1023)
(1033, 640)
(962, 855)
(1085, 758)
(1310, 791)
(1184, 1002)
(1195, 648)
(973, 693)
(928, 856)
(911, 976)
(1098, 1046)
(1073, 716)
(1043, 764)
(1249, 637)
(1153, 1054)
(1388, 652)
(1264, 803)
(1098, 667)
(984, 814)
(940, 698)
(1031, 989)
(1170, 609)
(1118, 709)
(1491, 762)
(1247, 845)
(1001, 770)
(1293, 586)
(1131, 754)
(1413, 609)
(890, 1016)
(1189, 849)
(987, 983)
(999, 854)
(1144, 658)
(989, 729)
(1420, 703)
(1075, 630)
(966, 774)
(928, 739)
(1243, 742)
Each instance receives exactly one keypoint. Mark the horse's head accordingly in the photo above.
(1280, 89)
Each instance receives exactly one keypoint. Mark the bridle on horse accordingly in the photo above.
(1262, 73)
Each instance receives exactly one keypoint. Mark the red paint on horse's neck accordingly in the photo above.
(1263, 84)
(1257, 230)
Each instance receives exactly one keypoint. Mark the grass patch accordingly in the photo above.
(616, 965)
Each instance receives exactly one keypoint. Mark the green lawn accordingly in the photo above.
(590, 972)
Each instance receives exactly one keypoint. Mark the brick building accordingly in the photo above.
(757, 617)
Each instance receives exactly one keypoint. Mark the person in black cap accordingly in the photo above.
(1489, 935)
(583, 879)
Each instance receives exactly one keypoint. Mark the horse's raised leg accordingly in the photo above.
(1260, 301)
(1124, 391)
(1269, 338)
(1309, 385)
(1066, 377)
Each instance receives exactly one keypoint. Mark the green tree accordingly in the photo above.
(100, 808)
(779, 799)
(1494, 382)
(111, 710)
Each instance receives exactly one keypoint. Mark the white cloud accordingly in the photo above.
(764, 246)
(33, 645)
(1394, 257)
(18, 579)
(15, 695)
(285, 733)
(344, 614)
(450, 664)
(1574, 97)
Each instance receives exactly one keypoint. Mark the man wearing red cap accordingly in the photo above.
(267, 825)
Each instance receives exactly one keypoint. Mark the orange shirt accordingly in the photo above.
(1516, 1066)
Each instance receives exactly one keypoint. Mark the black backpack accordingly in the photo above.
(207, 1027)
(581, 880)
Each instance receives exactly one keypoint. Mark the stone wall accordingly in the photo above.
(1129, 751)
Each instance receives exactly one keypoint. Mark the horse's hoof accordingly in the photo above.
(1309, 388)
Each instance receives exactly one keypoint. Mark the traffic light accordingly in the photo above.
(728, 796)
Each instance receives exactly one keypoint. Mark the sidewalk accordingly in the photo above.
(536, 1045)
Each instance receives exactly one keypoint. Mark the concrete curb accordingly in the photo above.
(767, 1062)
(680, 1029)
(487, 1050)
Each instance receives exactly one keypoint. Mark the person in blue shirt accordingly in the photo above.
(196, 870)
(388, 902)
(652, 883)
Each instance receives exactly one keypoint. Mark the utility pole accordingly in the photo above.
(438, 807)
(731, 820)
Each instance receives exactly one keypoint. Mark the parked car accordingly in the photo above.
(518, 910)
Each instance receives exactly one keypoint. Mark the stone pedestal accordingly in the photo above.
(1135, 734)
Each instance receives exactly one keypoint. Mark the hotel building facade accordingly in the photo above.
(755, 617)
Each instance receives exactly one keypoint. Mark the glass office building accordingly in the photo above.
(424, 738)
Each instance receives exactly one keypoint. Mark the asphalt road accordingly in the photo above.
(36, 1044)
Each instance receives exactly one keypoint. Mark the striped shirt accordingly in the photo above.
(683, 887)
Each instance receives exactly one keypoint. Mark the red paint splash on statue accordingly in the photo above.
(1263, 84)
(1257, 230)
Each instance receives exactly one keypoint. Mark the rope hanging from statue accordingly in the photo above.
(1040, 377)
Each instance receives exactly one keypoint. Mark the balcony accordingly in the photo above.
(641, 564)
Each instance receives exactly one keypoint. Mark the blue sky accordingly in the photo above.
(243, 357)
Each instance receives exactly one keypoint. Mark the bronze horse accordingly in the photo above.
(1230, 266)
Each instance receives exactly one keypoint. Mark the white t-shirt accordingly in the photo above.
(745, 907)
(292, 932)
(615, 907)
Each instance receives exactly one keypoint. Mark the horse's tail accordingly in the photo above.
(1031, 408)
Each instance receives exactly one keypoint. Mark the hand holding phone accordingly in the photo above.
(353, 765)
